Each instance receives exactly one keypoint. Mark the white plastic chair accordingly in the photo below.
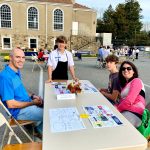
(20, 146)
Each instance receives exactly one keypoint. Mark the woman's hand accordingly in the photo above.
(49, 81)
(76, 79)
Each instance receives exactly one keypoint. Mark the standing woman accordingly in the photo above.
(60, 60)
(132, 101)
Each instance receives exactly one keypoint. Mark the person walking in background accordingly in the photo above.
(132, 97)
(113, 90)
(40, 55)
(59, 61)
(106, 52)
(21, 105)
(137, 53)
(100, 56)
(133, 54)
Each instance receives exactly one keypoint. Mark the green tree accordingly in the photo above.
(124, 22)
(121, 24)
(108, 20)
(133, 10)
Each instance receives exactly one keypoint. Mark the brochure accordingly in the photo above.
(65, 119)
(101, 116)
(88, 88)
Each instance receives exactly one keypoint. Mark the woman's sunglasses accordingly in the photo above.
(128, 68)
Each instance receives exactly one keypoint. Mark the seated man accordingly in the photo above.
(113, 90)
(14, 95)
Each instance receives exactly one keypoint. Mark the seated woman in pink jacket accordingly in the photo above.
(132, 102)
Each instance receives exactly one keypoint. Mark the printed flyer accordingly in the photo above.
(101, 116)
(65, 119)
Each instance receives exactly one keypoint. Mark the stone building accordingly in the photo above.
(35, 24)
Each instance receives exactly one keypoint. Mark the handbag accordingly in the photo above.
(144, 128)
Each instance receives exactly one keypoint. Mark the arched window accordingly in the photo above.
(5, 16)
(32, 18)
(58, 20)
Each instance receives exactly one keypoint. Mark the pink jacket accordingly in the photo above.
(131, 100)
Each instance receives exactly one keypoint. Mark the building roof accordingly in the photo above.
(76, 5)
(55, 1)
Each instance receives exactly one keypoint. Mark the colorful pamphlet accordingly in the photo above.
(101, 116)
(65, 119)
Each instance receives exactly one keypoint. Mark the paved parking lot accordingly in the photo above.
(86, 69)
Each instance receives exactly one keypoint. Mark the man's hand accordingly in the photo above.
(37, 97)
(37, 102)
(103, 90)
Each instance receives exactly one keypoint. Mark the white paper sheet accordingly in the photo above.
(88, 88)
(65, 119)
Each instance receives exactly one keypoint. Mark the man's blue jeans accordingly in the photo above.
(33, 113)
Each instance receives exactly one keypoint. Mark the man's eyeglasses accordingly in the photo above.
(128, 68)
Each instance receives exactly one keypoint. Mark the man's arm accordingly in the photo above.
(112, 96)
(103, 90)
(17, 104)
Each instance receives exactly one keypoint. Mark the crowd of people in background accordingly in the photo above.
(130, 53)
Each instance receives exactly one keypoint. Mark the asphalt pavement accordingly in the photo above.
(87, 69)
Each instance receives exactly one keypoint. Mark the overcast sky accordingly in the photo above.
(102, 5)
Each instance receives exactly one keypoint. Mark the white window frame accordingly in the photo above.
(10, 14)
(2, 40)
(62, 21)
(36, 38)
(28, 18)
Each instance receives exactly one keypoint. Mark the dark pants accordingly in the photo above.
(137, 54)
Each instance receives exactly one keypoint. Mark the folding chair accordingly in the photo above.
(20, 146)
(101, 62)
(17, 123)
